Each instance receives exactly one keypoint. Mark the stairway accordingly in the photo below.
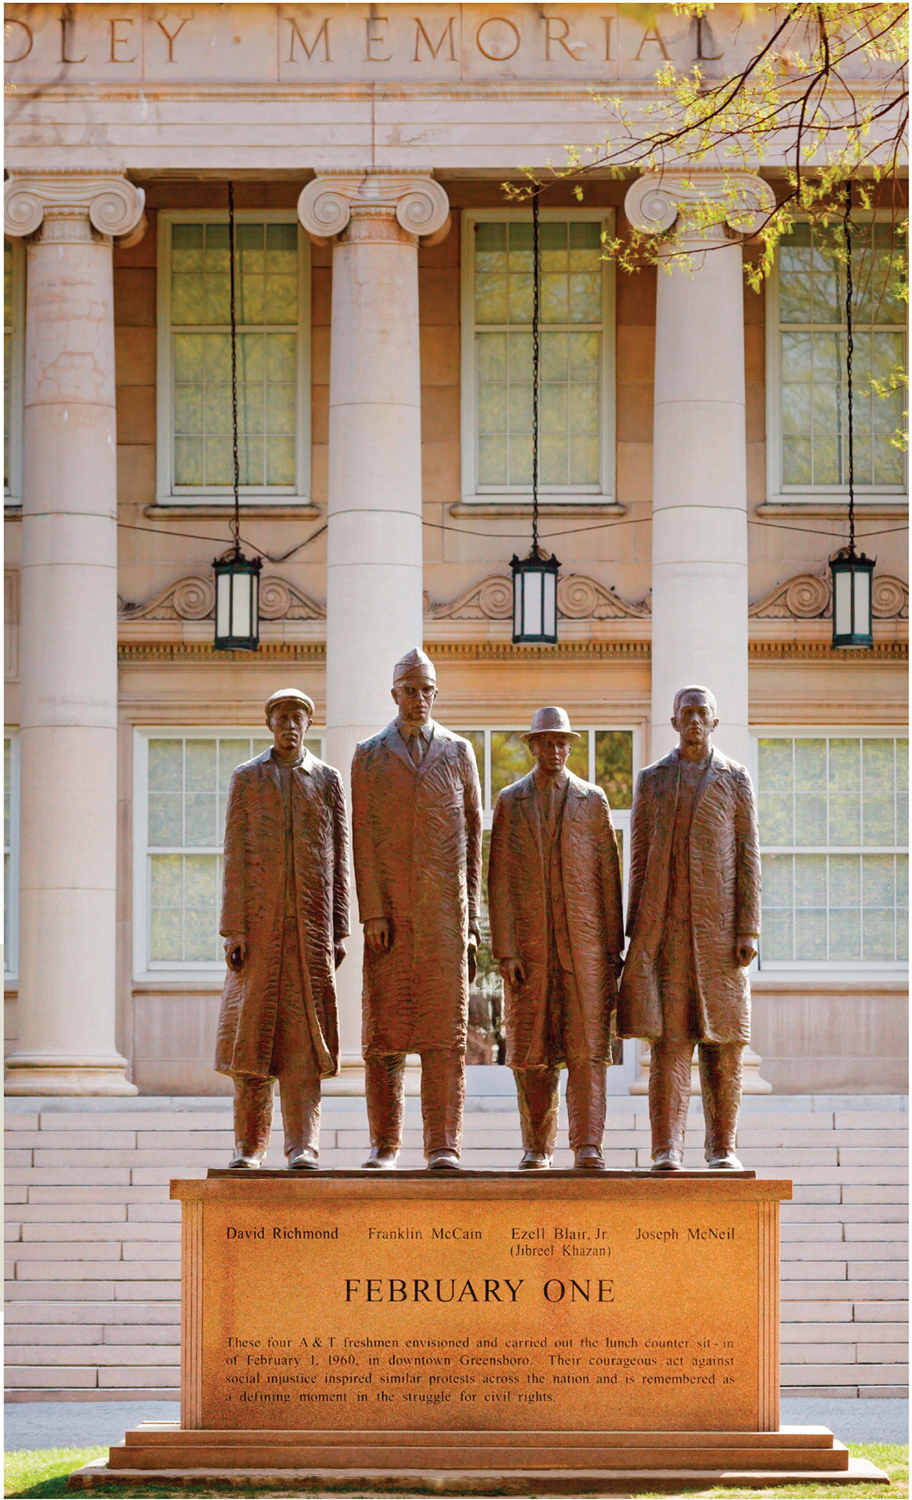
(93, 1242)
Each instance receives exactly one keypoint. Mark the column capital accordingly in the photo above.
(415, 201)
(704, 204)
(106, 200)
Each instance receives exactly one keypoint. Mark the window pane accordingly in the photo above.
(267, 294)
(614, 766)
(476, 739)
(776, 819)
(571, 292)
(510, 760)
(578, 759)
(777, 883)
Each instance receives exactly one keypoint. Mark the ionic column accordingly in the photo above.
(699, 537)
(375, 222)
(68, 819)
(699, 501)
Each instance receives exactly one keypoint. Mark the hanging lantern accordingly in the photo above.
(535, 576)
(853, 575)
(237, 578)
(535, 599)
(237, 602)
(852, 572)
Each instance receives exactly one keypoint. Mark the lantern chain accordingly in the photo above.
(536, 292)
(236, 520)
(850, 345)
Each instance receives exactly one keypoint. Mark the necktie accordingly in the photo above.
(415, 749)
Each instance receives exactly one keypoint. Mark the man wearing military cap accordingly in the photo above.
(416, 816)
(285, 900)
(557, 929)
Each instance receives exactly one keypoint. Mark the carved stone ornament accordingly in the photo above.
(114, 206)
(809, 596)
(418, 203)
(578, 598)
(193, 598)
(654, 203)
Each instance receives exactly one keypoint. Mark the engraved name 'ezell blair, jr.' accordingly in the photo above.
(285, 909)
(416, 820)
(557, 928)
(693, 919)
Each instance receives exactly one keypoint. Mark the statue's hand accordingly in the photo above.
(378, 934)
(473, 957)
(512, 970)
(339, 953)
(745, 950)
(236, 952)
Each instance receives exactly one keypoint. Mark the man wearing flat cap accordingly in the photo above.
(557, 929)
(285, 900)
(416, 817)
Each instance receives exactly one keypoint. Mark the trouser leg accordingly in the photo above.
(299, 1092)
(384, 1079)
(442, 1098)
(538, 1094)
(720, 1077)
(586, 1104)
(252, 1114)
(669, 1093)
(586, 1079)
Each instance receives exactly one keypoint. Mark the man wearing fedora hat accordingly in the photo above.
(285, 900)
(416, 816)
(557, 929)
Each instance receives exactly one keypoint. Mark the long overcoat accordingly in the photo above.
(519, 917)
(724, 897)
(417, 848)
(253, 904)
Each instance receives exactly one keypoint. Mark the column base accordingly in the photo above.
(751, 1083)
(33, 1073)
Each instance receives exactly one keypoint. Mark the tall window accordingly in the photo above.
(834, 836)
(195, 417)
(181, 789)
(576, 356)
(10, 854)
(13, 320)
(812, 403)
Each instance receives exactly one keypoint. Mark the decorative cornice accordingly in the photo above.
(578, 598)
(705, 202)
(809, 596)
(193, 598)
(113, 205)
(203, 653)
(418, 203)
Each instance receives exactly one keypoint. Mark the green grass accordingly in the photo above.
(45, 1474)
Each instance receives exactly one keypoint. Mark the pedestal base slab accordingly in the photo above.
(473, 1463)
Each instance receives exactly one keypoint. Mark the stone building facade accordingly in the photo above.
(693, 487)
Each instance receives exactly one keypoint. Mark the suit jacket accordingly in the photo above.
(517, 898)
(417, 847)
(724, 897)
(253, 904)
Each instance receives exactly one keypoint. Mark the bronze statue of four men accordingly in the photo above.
(557, 931)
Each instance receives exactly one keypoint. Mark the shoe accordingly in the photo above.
(246, 1163)
(304, 1160)
(444, 1161)
(724, 1161)
(534, 1161)
(668, 1161)
(589, 1158)
(382, 1159)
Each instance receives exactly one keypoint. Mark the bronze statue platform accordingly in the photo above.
(485, 1332)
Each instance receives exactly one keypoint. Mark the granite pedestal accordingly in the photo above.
(484, 1331)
